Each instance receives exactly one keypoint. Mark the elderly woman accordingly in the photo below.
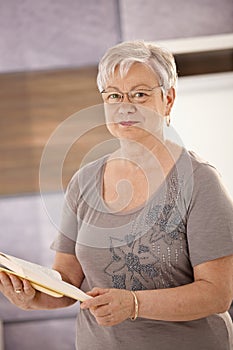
(148, 230)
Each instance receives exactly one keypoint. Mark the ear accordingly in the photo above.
(170, 98)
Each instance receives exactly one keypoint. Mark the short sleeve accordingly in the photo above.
(210, 217)
(66, 239)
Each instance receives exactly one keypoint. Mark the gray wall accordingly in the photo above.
(73, 33)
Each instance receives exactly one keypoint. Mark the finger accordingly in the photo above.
(96, 301)
(5, 281)
(101, 311)
(97, 291)
(16, 283)
(28, 289)
(105, 321)
(3, 275)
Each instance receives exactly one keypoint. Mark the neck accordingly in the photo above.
(151, 156)
(141, 152)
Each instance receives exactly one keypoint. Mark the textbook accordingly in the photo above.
(42, 278)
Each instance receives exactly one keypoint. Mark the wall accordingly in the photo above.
(202, 115)
(48, 34)
(51, 34)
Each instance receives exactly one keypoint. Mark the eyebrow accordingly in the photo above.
(133, 87)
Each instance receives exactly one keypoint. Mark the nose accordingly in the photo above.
(126, 108)
(125, 97)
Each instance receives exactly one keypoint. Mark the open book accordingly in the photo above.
(43, 279)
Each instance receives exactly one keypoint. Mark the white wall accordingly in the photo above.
(203, 117)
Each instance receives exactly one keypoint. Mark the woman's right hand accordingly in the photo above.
(18, 292)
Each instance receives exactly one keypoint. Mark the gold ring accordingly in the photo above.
(18, 290)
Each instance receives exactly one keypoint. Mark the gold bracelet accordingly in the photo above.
(135, 306)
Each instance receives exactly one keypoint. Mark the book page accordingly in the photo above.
(5, 261)
(34, 285)
(42, 278)
(32, 267)
(28, 269)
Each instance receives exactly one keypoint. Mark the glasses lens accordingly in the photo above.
(139, 96)
(134, 96)
(112, 97)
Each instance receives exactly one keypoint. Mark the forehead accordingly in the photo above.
(138, 74)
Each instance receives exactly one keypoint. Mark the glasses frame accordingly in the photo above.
(129, 94)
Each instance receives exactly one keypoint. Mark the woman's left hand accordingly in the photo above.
(110, 306)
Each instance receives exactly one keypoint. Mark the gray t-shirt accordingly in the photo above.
(188, 221)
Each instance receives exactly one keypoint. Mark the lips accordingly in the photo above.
(128, 123)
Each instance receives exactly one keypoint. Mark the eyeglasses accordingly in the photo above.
(134, 96)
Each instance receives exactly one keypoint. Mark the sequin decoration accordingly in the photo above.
(155, 249)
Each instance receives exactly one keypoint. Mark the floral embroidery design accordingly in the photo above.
(146, 260)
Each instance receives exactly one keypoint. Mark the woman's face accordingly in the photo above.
(145, 117)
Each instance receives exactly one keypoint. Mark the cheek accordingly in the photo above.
(109, 121)
(110, 111)
(153, 119)
(154, 123)
(159, 104)
(112, 129)
(108, 118)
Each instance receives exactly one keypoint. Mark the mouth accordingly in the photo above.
(128, 123)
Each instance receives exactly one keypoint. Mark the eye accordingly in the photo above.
(139, 96)
(113, 96)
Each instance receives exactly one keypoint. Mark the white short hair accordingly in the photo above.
(123, 55)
